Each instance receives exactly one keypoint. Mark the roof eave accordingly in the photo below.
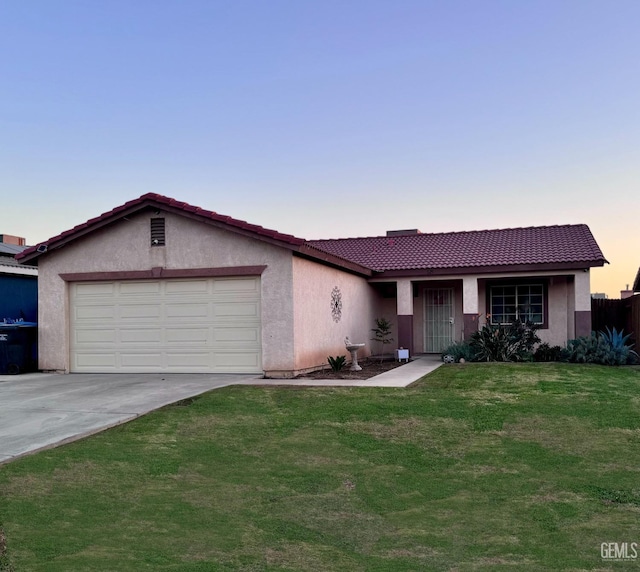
(17, 270)
(466, 270)
(312, 253)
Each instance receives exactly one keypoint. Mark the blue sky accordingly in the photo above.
(327, 118)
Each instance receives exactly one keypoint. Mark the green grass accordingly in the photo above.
(477, 467)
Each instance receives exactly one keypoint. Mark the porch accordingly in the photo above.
(430, 314)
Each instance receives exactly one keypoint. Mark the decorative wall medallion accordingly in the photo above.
(336, 304)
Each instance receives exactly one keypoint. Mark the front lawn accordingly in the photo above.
(477, 467)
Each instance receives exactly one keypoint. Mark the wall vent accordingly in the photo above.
(157, 232)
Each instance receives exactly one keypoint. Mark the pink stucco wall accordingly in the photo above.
(317, 334)
(125, 246)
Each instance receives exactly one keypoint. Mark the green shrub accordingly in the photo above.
(604, 348)
(545, 352)
(513, 342)
(337, 363)
(459, 350)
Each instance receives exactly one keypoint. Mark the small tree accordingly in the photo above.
(382, 333)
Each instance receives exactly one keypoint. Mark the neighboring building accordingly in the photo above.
(599, 296)
(626, 293)
(160, 285)
(18, 283)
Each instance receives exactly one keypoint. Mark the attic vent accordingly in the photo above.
(157, 232)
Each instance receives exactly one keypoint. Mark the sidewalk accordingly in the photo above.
(398, 377)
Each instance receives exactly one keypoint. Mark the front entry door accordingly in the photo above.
(438, 319)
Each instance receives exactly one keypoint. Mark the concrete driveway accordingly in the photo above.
(41, 410)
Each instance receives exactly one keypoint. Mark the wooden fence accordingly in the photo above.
(619, 314)
(633, 315)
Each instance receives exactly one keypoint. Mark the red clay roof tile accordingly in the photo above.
(506, 247)
(502, 247)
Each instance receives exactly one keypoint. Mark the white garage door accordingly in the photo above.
(199, 325)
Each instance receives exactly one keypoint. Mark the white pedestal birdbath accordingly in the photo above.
(353, 349)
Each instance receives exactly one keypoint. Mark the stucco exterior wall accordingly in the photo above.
(316, 334)
(571, 309)
(558, 315)
(125, 246)
(387, 309)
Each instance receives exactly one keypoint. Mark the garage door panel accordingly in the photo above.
(187, 310)
(145, 359)
(139, 288)
(131, 311)
(92, 289)
(90, 313)
(95, 336)
(188, 336)
(234, 335)
(237, 309)
(189, 361)
(103, 361)
(187, 287)
(140, 336)
(173, 325)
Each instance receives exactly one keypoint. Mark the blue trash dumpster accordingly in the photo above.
(18, 347)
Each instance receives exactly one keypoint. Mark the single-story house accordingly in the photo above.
(158, 285)
(18, 283)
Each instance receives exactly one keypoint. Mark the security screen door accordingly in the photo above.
(438, 319)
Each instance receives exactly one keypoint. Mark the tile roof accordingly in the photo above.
(470, 249)
(9, 261)
(636, 282)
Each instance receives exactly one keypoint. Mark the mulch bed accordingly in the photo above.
(370, 368)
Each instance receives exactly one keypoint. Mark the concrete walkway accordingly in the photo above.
(398, 377)
(39, 410)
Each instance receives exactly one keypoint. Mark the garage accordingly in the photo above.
(195, 325)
